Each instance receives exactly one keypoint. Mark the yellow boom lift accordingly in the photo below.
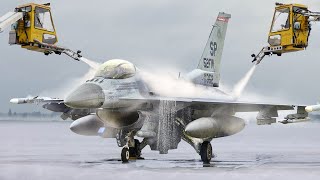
(32, 28)
(289, 31)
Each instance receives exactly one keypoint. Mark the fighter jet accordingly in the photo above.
(118, 102)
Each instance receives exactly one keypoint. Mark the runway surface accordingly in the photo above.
(49, 150)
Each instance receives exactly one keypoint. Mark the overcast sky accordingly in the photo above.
(160, 34)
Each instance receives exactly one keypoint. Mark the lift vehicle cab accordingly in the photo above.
(290, 28)
(35, 26)
(32, 28)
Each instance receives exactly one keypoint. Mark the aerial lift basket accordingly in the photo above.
(32, 28)
(35, 26)
(290, 30)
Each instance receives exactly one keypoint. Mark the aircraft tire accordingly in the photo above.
(125, 155)
(206, 152)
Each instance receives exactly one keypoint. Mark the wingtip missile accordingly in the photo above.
(14, 101)
(312, 108)
(24, 100)
(18, 101)
(35, 100)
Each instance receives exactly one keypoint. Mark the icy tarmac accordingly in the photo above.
(49, 150)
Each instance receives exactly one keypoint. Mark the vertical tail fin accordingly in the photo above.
(208, 70)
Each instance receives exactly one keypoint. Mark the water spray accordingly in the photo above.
(240, 86)
(94, 65)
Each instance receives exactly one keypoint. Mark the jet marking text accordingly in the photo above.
(208, 63)
(214, 48)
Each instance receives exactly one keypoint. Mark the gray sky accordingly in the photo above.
(166, 34)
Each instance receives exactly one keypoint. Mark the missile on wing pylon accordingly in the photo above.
(21, 100)
(35, 100)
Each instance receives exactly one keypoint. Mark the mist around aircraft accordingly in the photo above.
(124, 103)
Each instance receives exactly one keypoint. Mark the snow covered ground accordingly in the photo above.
(49, 150)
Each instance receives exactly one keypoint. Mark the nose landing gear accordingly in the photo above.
(125, 154)
(133, 152)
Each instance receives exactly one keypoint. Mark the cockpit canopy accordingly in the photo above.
(116, 69)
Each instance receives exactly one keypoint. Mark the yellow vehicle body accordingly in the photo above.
(36, 24)
(289, 28)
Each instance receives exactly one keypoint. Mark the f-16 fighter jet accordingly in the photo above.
(119, 102)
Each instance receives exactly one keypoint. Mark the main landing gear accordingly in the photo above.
(206, 152)
(202, 147)
(133, 152)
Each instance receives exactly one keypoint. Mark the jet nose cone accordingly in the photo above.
(86, 96)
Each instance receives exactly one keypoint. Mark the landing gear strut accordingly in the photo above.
(206, 152)
(135, 152)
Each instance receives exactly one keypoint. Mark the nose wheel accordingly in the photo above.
(125, 155)
(134, 152)
(206, 152)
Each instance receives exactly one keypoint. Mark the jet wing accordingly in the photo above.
(55, 105)
(266, 111)
(239, 106)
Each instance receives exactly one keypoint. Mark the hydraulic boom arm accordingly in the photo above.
(8, 19)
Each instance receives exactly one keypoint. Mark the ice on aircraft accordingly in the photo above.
(118, 103)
